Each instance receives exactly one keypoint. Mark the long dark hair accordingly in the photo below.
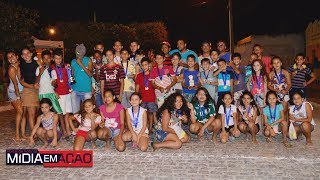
(262, 71)
(209, 99)
(268, 94)
(223, 104)
(252, 103)
(169, 105)
(83, 111)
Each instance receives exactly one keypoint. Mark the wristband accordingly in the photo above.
(18, 97)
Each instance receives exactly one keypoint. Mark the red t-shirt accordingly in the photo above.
(112, 119)
(112, 75)
(147, 95)
(167, 61)
(267, 63)
(166, 73)
(63, 87)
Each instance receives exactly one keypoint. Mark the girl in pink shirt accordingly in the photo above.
(112, 125)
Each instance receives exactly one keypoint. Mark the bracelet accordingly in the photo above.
(18, 97)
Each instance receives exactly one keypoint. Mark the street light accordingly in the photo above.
(230, 23)
(52, 31)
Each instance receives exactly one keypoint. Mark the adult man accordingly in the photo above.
(184, 52)
(206, 49)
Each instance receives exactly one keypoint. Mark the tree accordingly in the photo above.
(17, 25)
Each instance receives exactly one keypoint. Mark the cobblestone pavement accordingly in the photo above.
(195, 160)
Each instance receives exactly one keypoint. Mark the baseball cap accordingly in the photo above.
(166, 43)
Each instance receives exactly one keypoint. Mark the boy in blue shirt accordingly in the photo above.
(225, 80)
(190, 81)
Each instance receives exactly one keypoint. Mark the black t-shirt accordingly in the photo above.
(28, 71)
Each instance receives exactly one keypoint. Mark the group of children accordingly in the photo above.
(126, 96)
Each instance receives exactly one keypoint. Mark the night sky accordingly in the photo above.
(184, 18)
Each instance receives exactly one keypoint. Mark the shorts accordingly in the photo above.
(114, 132)
(54, 100)
(161, 135)
(12, 95)
(77, 98)
(150, 106)
(82, 134)
(65, 103)
(59, 134)
(228, 129)
(259, 99)
(125, 101)
(30, 97)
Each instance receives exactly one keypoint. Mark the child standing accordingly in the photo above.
(214, 57)
(178, 70)
(258, 83)
(14, 94)
(130, 74)
(229, 120)
(137, 124)
(239, 77)
(301, 117)
(111, 76)
(204, 121)
(274, 119)
(145, 88)
(112, 125)
(88, 121)
(49, 130)
(207, 79)
(225, 80)
(61, 76)
(190, 81)
(280, 82)
(163, 79)
(97, 66)
(299, 72)
(248, 114)
(30, 100)
(44, 77)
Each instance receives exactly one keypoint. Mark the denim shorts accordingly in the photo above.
(114, 132)
(12, 95)
(150, 106)
(161, 135)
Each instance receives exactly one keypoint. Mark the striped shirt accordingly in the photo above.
(298, 80)
(112, 75)
(162, 77)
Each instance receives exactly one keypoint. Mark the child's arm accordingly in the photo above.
(270, 85)
(288, 80)
(156, 86)
(90, 66)
(265, 119)
(307, 119)
(165, 122)
(144, 127)
(192, 114)
(313, 78)
(70, 119)
(216, 73)
(137, 87)
(55, 131)
(122, 115)
(248, 83)
(128, 120)
(235, 119)
(234, 67)
(231, 86)
(280, 119)
(223, 123)
(102, 88)
(121, 89)
(40, 70)
(254, 116)
(174, 81)
(210, 120)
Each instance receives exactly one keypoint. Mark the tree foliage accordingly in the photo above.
(17, 25)
(148, 34)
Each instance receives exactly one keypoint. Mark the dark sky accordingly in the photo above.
(183, 19)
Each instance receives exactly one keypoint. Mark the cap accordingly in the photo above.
(166, 43)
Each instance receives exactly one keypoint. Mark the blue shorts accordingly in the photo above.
(161, 135)
(114, 132)
(150, 106)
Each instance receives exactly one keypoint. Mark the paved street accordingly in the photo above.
(195, 160)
